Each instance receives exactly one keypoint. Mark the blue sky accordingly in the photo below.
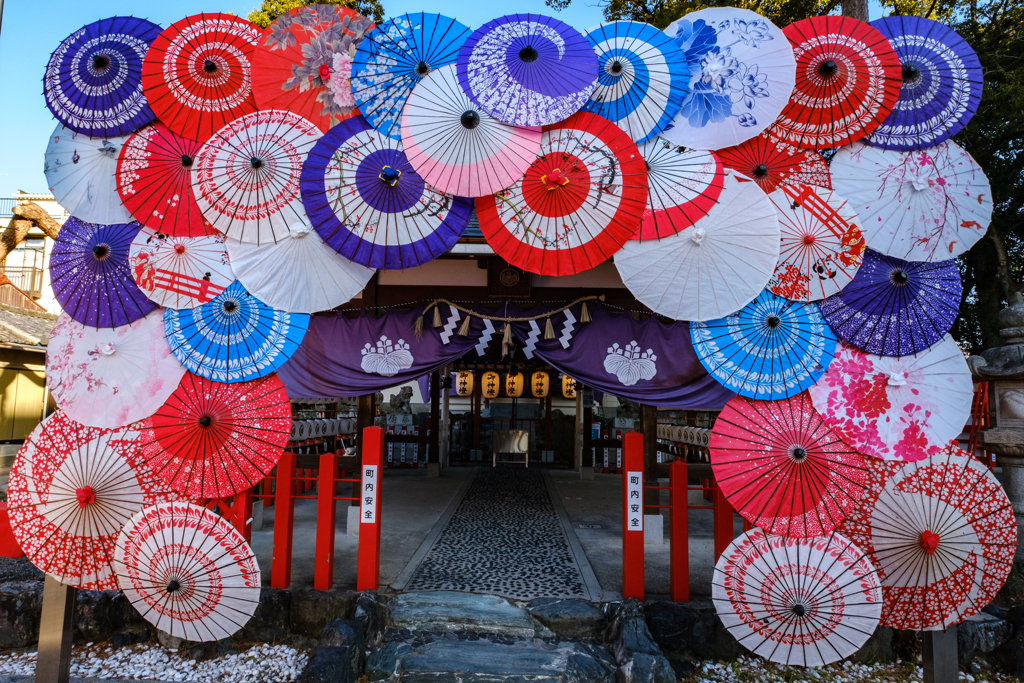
(32, 30)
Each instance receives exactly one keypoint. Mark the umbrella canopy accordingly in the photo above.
(179, 272)
(91, 277)
(528, 69)
(154, 181)
(930, 205)
(303, 62)
(197, 74)
(233, 338)
(782, 468)
(368, 204)
(741, 74)
(457, 147)
(246, 177)
(942, 534)
(214, 440)
(896, 408)
(93, 82)
(318, 278)
(771, 163)
(395, 57)
(807, 602)
(80, 173)
(684, 185)
(770, 349)
(71, 490)
(187, 571)
(110, 377)
(895, 307)
(642, 78)
(714, 267)
(822, 245)
(580, 201)
(942, 84)
(848, 81)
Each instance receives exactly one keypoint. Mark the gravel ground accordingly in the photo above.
(258, 664)
(752, 670)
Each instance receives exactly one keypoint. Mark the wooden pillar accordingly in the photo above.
(435, 416)
(649, 428)
(445, 433)
(478, 392)
(588, 449)
(579, 435)
(365, 410)
(53, 663)
(548, 436)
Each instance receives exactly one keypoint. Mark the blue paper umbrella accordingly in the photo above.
(771, 349)
(93, 81)
(394, 58)
(642, 78)
(235, 337)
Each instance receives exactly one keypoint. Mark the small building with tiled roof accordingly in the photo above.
(23, 337)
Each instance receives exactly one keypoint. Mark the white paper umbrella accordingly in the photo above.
(456, 146)
(896, 408)
(714, 267)
(187, 571)
(317, 277)
(109, 377)
(80, 173)
(179, 271)
(246, 177)
(929, 205)
(803, 601)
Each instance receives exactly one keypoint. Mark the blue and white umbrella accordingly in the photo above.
(770, 349)
(394, 58)
(233, 338)
(642, 77)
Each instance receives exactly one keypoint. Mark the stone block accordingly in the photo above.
(654, 530)
(981, 634)
(433, 469)
(352, 521)
(338, 656)
(453, 611)
(312, 610)
(877, 650)
(372, 610)
(383, 663)
(270, 623)
(21, 604)
(690, 631)
(587, 474)
(1010, 655)
(645, 668)
(568, 618)
(94, 617)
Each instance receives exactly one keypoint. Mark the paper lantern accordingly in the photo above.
(490, 384)
(568, 386)
(464, 383)
(539, 384)
(514, 385)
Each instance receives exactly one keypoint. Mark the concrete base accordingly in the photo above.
(587, 474)
(257, 515)
(433, 469)
(352, 523)
(654, 530)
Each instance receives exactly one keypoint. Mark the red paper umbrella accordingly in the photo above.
(155, 183)
(211, 440)
(578, 203)
(197, 74)
(848, 79)
(941, 532)
(772, 163)
(782, 468)
(684, 184)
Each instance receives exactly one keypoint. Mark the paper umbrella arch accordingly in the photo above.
(226, 182)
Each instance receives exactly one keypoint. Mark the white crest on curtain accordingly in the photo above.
(449, 327)
(387, 358)
(485, 337)
(630, 365)
(567, 327)
(531, 339)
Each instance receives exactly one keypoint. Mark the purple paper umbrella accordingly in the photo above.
(942, 84)
(528, 69)
(895, 307)
(91, 275)
(93, 82)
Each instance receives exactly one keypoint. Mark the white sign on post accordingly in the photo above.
(635, 501)
(368, 511)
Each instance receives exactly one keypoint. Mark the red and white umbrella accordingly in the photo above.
(197, 75)
(822, 245)
(771, 163)
(941, 532)
(187, 571)
(246, 177)
(848, 79)
(579, 202)
(803, 601)
(684, 185)
(72, 488)
(896, 408)
(180, 271)
(213, 440)
(782, 468)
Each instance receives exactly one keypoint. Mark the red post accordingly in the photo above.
(368, 576)
(723, 522)
(284, 512)
(243, 513)
(323, 569)
(679, 539)
(633, 516)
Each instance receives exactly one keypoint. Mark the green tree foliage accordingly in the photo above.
(265, 14)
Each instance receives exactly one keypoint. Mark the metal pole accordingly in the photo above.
(940, 656)
(1, 14)
(53, 661)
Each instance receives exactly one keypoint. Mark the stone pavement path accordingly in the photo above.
(505, 539)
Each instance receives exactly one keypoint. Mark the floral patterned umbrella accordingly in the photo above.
(179, 272)
(684, 184)
(80, 173)
(904, 408)
(771, 163)
(741, 74)
(303, 62)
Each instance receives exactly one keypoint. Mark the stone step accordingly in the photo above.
(453, 611)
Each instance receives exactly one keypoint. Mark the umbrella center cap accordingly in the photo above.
(186, 161)
(100, 62)
(698, 233)
(85, 496)
(299, 230)
(555, 179)
(173, 586)
(229, 306)
(105, 349)
(205, 421)
(390, 175)
(799, 609)
(760, 171)
(911, 74)
(808, 239)
(469, 119)
(773, 321)
(179, 248)
(827, 69)
(798, 453)
(930, 541)
(900, 277)
(422, 69)
(897, 379)
(615, 67)
(210, 66)
(529, 54)
(101, 251)
(325, 72)
(256, 163)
